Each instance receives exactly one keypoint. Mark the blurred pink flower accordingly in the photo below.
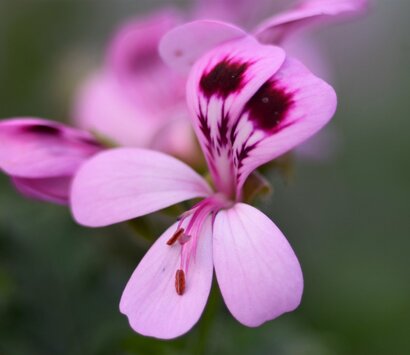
(136, 100)
(42, 156)
(249, 104)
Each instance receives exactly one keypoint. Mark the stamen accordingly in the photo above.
(175, 236)
(180, 282)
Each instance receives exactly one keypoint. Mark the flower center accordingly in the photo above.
(187, 238)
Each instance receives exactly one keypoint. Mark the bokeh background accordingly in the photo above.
(346, 217)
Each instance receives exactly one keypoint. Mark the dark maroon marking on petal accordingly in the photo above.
(269, 106)
(224, 79)
(42, 129)
(243, 153)
(223, 128)
(234, 132)
(206, 130)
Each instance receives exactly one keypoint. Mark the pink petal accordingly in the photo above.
(258, 273)
(36, 148)
(288, 109)
(125, 183)
(177, 138)
(103, 107)
(150, 300)
(183, 45)
(54, 189)
(219, 86)
(307, 12)
(134, 59)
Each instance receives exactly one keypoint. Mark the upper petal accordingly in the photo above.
(306, 12)
(125, 183)
(54, 189)
(218, 87)
(183, 45)
(36, 148)
(258, 273)
(288, 109)
(150, 300)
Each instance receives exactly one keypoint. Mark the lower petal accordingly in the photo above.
(258, 273)
(150, 300)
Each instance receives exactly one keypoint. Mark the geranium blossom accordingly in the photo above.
(41, 156)
(249, 103)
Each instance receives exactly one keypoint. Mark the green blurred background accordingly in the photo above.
(348, 218)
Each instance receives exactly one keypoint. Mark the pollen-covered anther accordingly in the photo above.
(180, 282)
(176, 236)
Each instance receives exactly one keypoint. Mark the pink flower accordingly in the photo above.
(249, 104)
(135, 99)
(42, 156)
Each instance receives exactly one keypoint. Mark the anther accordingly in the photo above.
(176, 236)
(180, 282)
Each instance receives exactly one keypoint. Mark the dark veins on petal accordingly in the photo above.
(42, 129)
(269, 106)
(224, 79)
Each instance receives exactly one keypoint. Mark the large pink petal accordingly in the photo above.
(288, 109)
(307, 12)
(258, 273)
(150, 300)
(133, 57)
(125, 183)
(183, 45)
(55, 189)
(219, 86)
(36, 148)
